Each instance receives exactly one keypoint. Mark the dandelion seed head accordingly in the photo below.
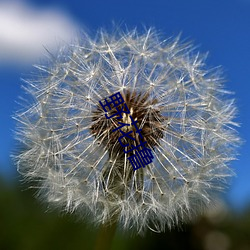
(185, 116)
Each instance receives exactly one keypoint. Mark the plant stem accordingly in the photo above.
(105, 236)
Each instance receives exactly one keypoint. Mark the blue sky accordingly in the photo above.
(221, 27)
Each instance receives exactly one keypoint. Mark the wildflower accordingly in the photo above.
(180, 108)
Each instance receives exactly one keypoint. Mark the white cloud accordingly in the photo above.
(25, 31)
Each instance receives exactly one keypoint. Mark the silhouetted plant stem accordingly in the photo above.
(105, 236)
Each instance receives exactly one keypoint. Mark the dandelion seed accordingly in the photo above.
(180, 108)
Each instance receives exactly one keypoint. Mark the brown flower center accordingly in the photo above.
(146, 125)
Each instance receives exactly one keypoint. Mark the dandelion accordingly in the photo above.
(181, 109)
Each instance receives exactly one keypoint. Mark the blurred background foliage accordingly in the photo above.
(27, 225)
